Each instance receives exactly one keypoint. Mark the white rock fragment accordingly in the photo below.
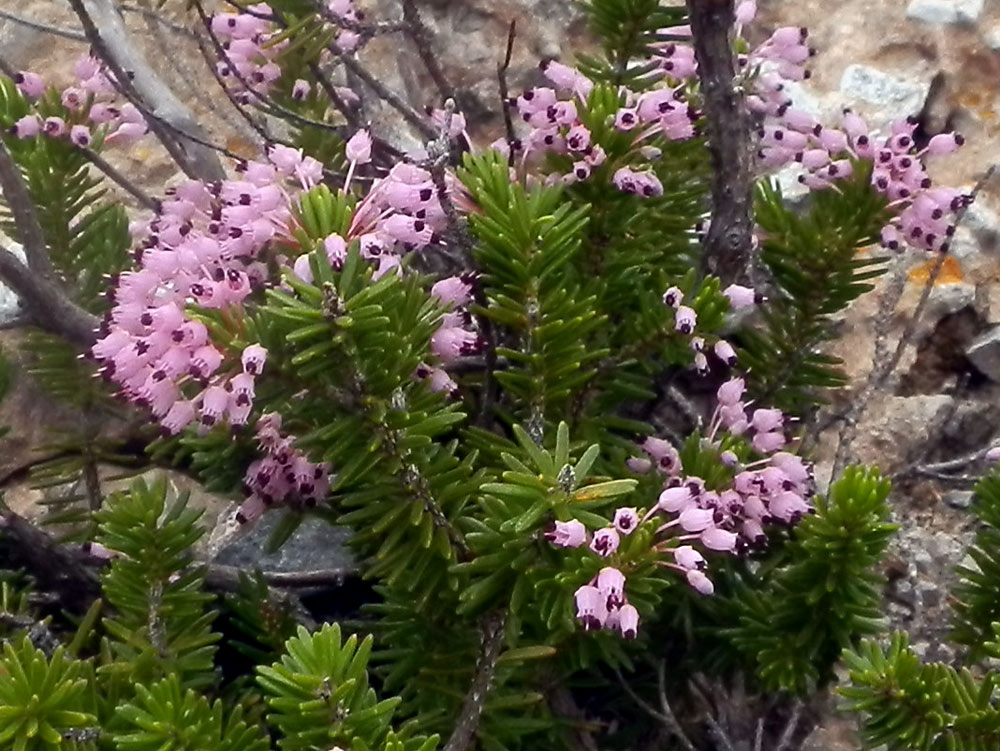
(933, 11)
(992, 38)
(943, 12)
(969, 10)
(898, 95)
(984, 353)
(10, 305)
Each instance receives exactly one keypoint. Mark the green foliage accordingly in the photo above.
(814, 258)
(161, 626)
(42, 698)
(319, 696)
(166, 717)
(526, 240)
(794, 622)
(626, 29)
(976, 601)
(909, 706)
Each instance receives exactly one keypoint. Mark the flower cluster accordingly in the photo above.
(89, 109)
(250, 44)
(204, 249)
(686, 318)
(556, 127)
(730, 518)
(456, 335)
(282, 476)
(924, 215)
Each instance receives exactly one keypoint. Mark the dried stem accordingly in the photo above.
(491, 630)
(728, 244)
(790, 727)
(417, 31)
(71, 34)
(389, 97)
(502, 68)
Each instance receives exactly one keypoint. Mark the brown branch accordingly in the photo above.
(389, 97)
(421, 36)
(728, 245)
(173, 123)
(502, 68)
(22, 207)
(492, 629)
(71, 34)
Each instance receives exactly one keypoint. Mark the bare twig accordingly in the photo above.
(790, 727)
(492, 629)
(728, 244)
(184, 137)
(71, 34)
(502, 68)
(417, 31)
(716, 731)
(883, 364)
(672, 724)
(758, 736)
(389, 97)
(116, 176)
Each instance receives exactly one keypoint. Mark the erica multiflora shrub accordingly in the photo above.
(503, 367)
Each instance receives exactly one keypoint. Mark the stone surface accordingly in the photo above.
(316, 544)
(933, 11)
(892, 92)
(984, 353)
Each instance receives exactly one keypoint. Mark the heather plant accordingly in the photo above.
(554, 387)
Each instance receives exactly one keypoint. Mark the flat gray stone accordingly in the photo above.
(933, 11)
(984, 353)
(900, 95)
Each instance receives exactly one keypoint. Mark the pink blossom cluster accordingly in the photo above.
(686, 318)
(456, 336)
(90, 109)
(556, 128)
(774, 489)
(282, 476)
(250, 44)
(203, 249)
(924, 215)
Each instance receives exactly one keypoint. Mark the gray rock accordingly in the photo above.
(992, 38)
(984, 353)
(960, 499)
(316, 544)
(10, 305)
(930, 595)
(901, 95)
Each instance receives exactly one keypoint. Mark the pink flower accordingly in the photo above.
(724, 351)
(672, 297)
(571, 534)
(694, 519)
(454, 290)
(79, 135)
(30, 84)
(739, 296)
(674, 500)
(626, 520)
(54, 127)
(685, 319)
(714, 538)
(730, 392)
(452, 342)
(253, 359)
(359, 147)
(605, 542)
(591, 607)
(765, 443)
(688, 558)
(611, 582)
(700, 582)
(628, 621)
(180, 415)
(27, 127)
(300, 89)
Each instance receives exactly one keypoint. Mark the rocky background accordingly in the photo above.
(885, 58)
